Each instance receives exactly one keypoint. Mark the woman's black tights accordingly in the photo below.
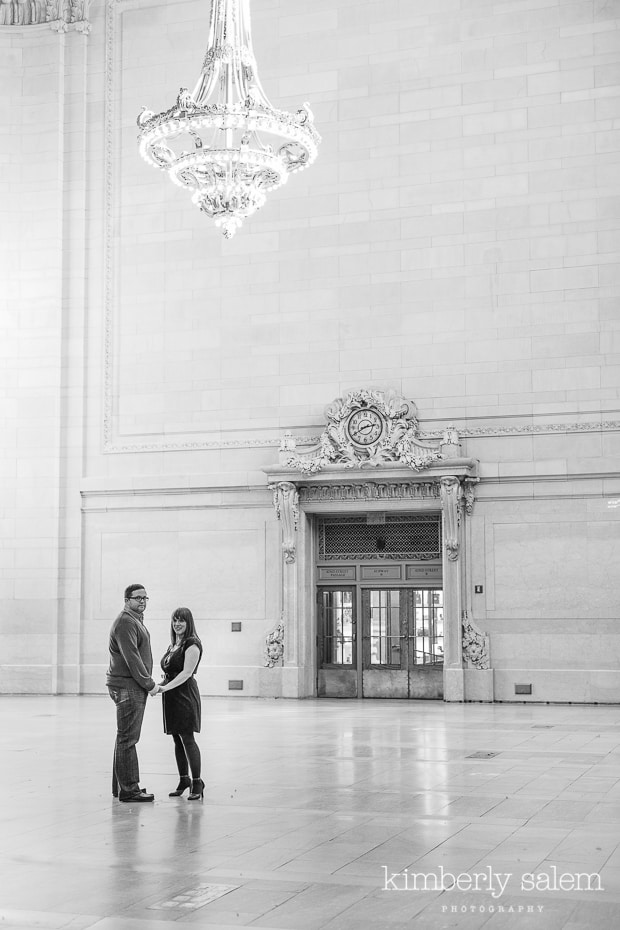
(187, 754)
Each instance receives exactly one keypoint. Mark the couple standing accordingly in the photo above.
(129, 681)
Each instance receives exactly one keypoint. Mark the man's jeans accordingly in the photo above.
(129, 713)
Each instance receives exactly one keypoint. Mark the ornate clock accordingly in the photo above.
(365, 426)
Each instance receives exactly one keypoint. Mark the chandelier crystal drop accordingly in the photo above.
(224, 141)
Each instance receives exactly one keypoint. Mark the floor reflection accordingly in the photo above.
(308, 806)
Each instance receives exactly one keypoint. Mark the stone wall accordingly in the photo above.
(456, 240)
(42, 346)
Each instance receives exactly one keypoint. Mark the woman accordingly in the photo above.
(181, 701)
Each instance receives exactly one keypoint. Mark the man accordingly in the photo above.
(129, 681)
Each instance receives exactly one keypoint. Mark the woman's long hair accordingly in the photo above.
(183, 613)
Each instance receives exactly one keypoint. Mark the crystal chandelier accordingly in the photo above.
(224, 141)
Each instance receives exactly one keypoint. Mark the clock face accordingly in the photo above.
(365, 427)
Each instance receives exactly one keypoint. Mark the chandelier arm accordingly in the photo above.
(241, 93)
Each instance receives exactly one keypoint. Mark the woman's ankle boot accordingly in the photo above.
(198, 790)
(184, 782)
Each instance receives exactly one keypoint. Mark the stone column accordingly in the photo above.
(286, 503)
(454, 681)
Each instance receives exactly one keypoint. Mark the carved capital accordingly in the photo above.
(78, 10)
(286, 503)
(475, 645)
(451, 492)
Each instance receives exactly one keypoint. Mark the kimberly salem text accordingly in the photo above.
(494, 883)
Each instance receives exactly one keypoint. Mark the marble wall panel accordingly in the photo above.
(567, 686)
(213, 560)
(587, 649)
(555, 569)
(33, 85)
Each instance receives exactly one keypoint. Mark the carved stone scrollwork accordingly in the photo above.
(469, 487)
(475, 645)
(286, 503)
(287, 444)
(451, 492)
(59, 14)
(450, 445)
(274, 645)
(365, 428)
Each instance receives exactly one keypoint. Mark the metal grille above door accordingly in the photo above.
(401, 536)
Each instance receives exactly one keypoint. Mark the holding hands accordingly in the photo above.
(159, 688)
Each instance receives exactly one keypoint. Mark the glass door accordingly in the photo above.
(399, 653)
(402, 636)
(384, 653)
(427, 629)
(337, 642)
(426, 644)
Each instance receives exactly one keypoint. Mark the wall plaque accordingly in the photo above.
(423, 572)
(337, 574)
(380, 572)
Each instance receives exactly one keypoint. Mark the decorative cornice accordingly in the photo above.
(59, 15)
(189, 445)
(473, 432)
(370, 491)
(411, 556)
(533, 429)
(273, 442)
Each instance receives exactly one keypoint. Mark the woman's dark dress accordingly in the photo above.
(181, 705)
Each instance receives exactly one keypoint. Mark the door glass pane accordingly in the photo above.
(437, 644)
(385, 627)
(337, 627)
(428, 622)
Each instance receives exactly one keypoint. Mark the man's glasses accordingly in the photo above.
(134, 598)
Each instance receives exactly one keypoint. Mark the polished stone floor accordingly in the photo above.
(318, 815)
